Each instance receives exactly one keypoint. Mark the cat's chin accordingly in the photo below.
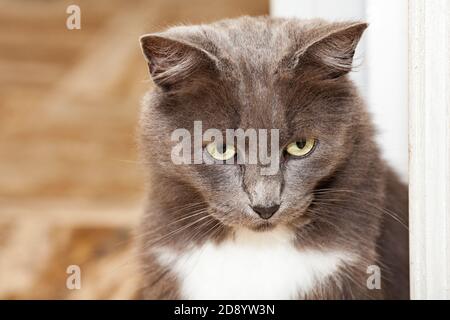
(262, 226)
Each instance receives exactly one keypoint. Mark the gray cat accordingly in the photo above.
(331, 223)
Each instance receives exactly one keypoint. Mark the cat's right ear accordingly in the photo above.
(171, 61)
(331, 53)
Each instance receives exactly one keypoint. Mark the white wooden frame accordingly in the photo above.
(429, 145)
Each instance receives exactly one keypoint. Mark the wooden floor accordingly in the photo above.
(70, 186)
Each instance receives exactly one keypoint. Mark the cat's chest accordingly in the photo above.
(251, 266)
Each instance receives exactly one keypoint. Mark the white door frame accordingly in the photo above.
(429, 148)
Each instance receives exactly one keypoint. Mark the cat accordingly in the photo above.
(331, 223)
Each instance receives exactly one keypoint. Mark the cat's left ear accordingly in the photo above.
(333, 51)
(173, 61)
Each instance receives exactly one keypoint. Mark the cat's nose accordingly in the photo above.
(266, 212)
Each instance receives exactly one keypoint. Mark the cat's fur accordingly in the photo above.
(342, 208)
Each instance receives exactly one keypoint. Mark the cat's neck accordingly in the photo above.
(249, 264)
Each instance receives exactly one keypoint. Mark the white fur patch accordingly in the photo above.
(252, 265)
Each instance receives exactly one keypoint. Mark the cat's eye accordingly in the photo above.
(221, 152)
(301, 147)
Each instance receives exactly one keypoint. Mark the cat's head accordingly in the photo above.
(254, 73)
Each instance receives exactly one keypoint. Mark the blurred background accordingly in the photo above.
(71, 189)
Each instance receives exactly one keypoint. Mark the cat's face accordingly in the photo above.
(254, 75)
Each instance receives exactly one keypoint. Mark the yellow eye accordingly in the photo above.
(301, 148)
(221, 152)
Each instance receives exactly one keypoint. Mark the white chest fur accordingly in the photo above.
(252, 265)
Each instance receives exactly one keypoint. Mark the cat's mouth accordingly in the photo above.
(263, 226)
(268, 225)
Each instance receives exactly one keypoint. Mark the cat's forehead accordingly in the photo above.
(253, 42)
